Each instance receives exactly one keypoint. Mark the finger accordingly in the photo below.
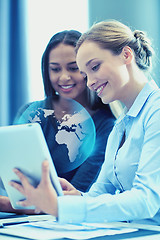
(24, 203)
(73, 192)
(20, 175)
(45, 172)
(37, 210)
(65, 184)
(17, 186)
(67, 192)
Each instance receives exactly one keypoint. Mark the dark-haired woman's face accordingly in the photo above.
(64, 74)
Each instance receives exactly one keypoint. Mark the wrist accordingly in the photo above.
(5, 205)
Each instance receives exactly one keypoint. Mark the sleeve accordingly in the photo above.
(68, 205)
(87, 173)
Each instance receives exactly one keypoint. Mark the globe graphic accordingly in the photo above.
(73, 135)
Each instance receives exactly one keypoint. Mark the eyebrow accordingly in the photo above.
(74, 62)
(90, 61)
(70, 63)
(53, 63)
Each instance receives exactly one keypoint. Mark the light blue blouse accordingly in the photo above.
(128, 186)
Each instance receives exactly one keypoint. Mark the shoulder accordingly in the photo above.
(27, 108)
(146, 111)
(152, 105)
(32, 105)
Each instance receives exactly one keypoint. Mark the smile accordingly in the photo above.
(100, 88)
(67, 88)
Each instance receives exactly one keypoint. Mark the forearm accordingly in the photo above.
(5, 206)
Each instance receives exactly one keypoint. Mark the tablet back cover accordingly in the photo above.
(24, 147)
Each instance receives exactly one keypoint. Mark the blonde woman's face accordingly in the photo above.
(106, 73)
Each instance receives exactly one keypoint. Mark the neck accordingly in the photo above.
(82, 99)
(136, 84)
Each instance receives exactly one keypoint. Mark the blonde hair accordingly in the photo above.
(114, 35)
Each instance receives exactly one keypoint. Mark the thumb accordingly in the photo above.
(45, 172)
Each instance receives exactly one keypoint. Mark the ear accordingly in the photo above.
(127, 54)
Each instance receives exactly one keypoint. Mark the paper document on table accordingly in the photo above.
(25, 218)
(48, 230)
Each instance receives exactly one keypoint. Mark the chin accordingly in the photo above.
(105, 101)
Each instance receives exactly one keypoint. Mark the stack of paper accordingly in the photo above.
(49, 229)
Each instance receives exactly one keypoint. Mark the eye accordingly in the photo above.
(96, 67)
(73, 69)
(57, 69)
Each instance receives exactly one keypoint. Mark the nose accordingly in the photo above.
(90, 83)
(65, 76)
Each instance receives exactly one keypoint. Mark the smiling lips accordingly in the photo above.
(100, 88)
(66, 88)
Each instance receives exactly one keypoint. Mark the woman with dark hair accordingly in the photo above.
(65, 37)
(62, 81)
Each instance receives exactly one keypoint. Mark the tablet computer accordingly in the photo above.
(24, 147)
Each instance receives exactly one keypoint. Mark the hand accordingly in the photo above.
(68, 188)
(43, 197)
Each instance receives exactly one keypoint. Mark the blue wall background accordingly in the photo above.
(13, 59)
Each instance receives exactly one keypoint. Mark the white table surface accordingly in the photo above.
(137, 235)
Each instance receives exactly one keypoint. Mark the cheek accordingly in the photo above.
(79, 79)
(104, 72)
(53, 78)
(121, 72)
(83, 84)
(54, 84)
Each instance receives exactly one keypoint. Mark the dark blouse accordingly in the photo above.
(83, 176)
